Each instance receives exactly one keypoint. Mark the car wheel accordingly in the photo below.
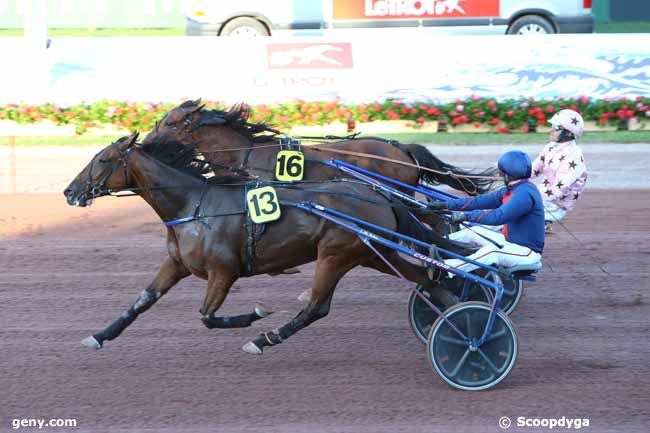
(531, 25)
(246, 27)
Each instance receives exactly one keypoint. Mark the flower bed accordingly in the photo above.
(472, 114)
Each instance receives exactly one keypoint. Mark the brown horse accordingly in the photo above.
(212, 244)
(218, 134)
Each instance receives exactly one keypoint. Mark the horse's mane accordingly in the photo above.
(236, 118)
(179, 156)
(189, 160)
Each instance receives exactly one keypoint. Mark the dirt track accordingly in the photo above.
(66, 272)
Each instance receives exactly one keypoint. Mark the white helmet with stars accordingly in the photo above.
(569, 120)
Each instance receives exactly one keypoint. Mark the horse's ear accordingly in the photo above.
(133, 138)
(190, 104)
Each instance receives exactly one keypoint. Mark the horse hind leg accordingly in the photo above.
(413, 273)
(329, 270)
(169, 274)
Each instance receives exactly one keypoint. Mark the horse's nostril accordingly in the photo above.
(67, 192)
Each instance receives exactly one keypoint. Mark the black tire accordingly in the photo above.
(531, 25)
(245, 27)
(464, 367)
(422, 317)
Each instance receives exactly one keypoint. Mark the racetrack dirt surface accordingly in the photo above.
(66, 272)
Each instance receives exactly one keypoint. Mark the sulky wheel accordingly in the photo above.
(422, 317)
(512, 291)
(463, 366)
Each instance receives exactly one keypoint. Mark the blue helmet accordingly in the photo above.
(515, 164)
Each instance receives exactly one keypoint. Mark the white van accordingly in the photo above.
(268, 17)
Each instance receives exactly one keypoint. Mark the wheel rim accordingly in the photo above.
(422, 317)
(532, 29)
(463, 368)
(246, 32)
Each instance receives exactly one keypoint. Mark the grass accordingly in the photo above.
(81, 140)
(519, 138)
(175, 31)
(600, 27)
(626, 27)
(404, 137)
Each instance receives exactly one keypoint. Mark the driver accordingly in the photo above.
(560, 170)
(518, 206)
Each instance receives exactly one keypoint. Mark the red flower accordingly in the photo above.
(550, 109)
(494, 121)
(510, 113)
(491, 103)
(502, 130)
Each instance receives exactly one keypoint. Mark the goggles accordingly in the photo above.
(556, 127)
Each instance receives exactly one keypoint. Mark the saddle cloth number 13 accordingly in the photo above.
(263, 205)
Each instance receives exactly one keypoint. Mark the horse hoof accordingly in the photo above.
(91, 342)
(305, 296)
(251, 347)
(262, 310)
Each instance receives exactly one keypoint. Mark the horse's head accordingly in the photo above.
(179, 124)
(105, 172)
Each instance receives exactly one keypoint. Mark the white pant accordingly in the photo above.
(553, 212)
(507, 256)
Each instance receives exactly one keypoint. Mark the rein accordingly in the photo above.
(317, 148)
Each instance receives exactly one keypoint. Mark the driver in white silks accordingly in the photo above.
(517, 206)
(559, 170)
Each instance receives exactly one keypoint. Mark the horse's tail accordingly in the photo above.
(409, 225)
(449, 174)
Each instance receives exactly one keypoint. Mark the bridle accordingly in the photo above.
(99, 189)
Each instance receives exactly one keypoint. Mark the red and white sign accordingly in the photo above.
(413, 9)
(309, 56)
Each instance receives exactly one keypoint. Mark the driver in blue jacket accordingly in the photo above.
(517, 207)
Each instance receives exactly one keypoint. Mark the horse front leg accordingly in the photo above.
(170, 273)
(219, 283)
(329, 270)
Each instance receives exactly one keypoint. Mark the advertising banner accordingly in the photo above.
(413, 9)
(412, 66)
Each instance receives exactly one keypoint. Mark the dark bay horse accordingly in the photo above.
(170, 177)
(214, 132)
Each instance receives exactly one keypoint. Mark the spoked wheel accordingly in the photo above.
(422, 317)
(463, 366)
(512, 291)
